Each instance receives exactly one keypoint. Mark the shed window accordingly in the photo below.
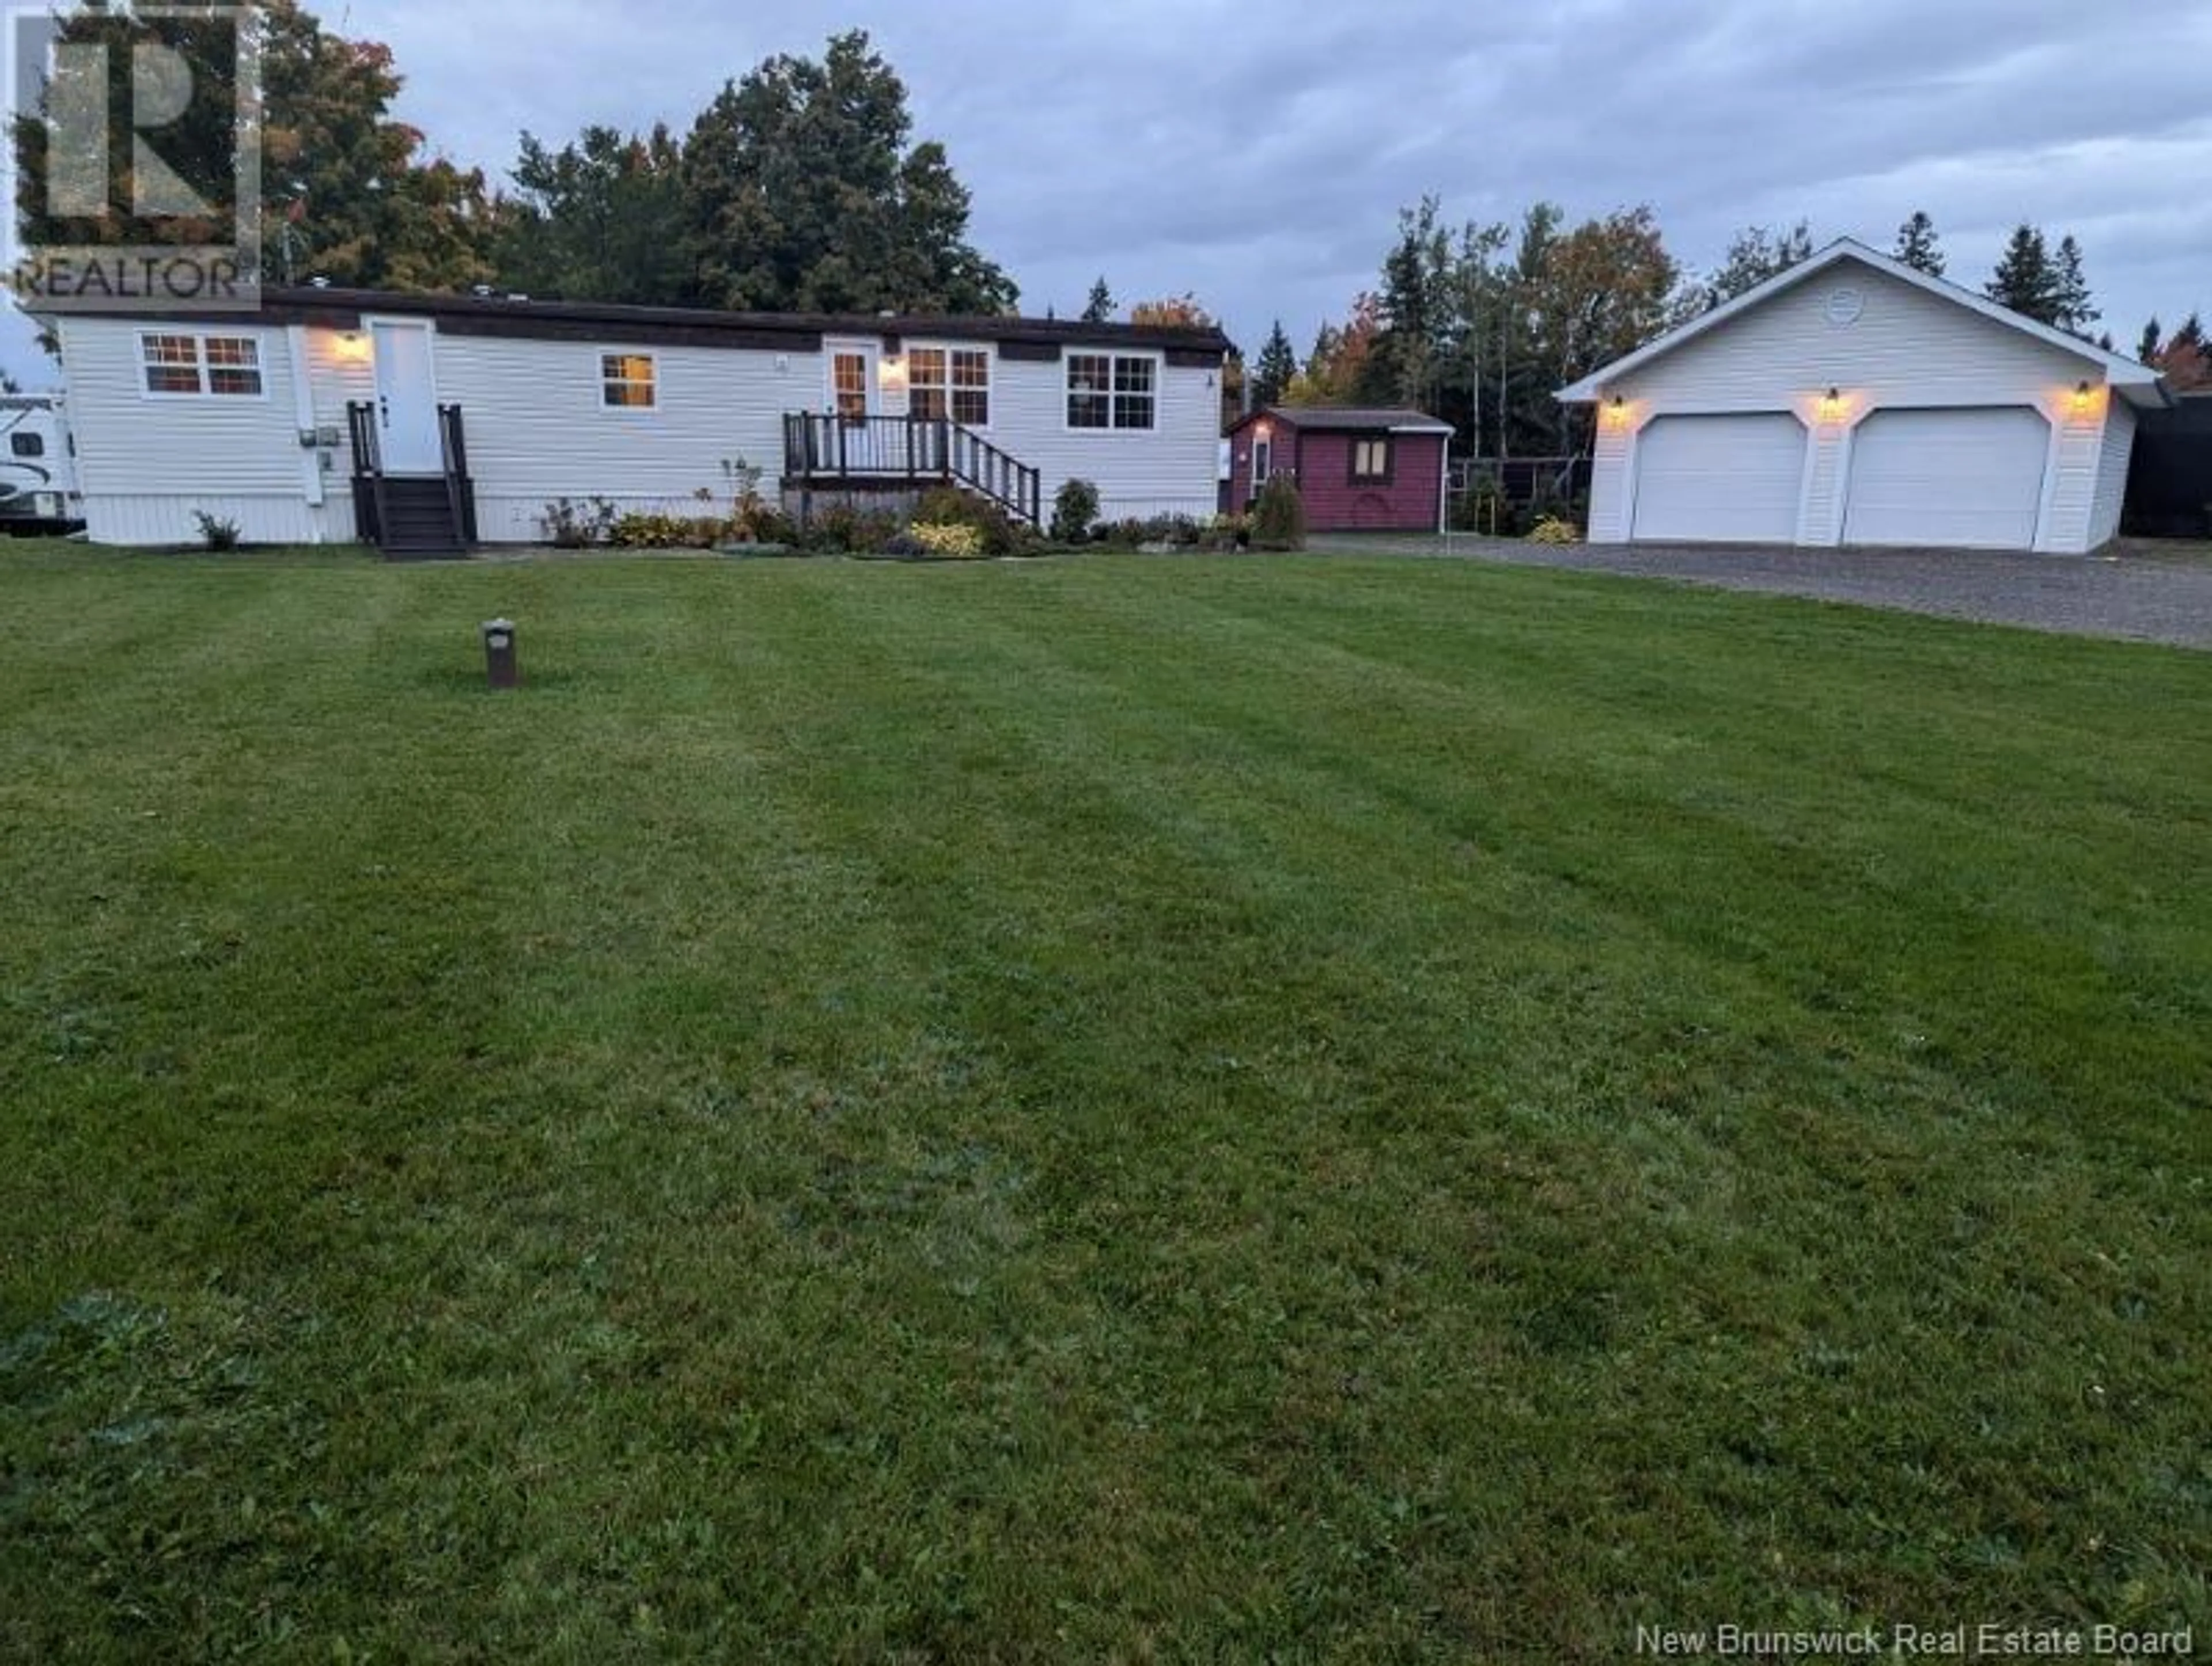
(953, 382)
(628, 381)
(180, 364)
(1370, 462)
(27, 445)
(1112, 391)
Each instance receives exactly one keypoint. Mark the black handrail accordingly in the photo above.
(368, 505)
(460, 490)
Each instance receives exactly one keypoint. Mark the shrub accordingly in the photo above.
(842, 529)
(215, 534)
(1126, 533)
(652, 532)
(948, 506)
(1074, 507)
(1227, 531)
(568, 524)
(939, 537)
(1279, 522)
(1552, 530)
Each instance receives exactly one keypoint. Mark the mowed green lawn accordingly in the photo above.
(1095, 1109)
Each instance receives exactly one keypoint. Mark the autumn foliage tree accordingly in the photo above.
(1180, 312)
(347, 191)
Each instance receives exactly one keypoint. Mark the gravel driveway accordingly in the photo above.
(2145, 592)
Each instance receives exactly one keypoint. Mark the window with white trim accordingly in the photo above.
(1112, 390)
(628, 381)
(181, 364)
(1371, 462)
(953, 382)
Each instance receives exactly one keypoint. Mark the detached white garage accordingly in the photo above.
(1854, 400)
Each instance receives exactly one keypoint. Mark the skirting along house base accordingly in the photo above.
(427, 423)
(1853, 400)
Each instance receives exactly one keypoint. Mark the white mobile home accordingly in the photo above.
(1854, 400)
(426, 422)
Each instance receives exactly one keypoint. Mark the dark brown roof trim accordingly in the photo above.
(566, 320)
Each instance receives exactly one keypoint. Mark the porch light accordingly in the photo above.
(891, 374)
(1832, 405)
(351, 348)
(1616, 412)
(2085, 398)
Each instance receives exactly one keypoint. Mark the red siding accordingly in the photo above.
(1323, 461)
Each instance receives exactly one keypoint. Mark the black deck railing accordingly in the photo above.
(825, 450)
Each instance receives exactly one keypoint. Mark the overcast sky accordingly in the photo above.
(1259, 154)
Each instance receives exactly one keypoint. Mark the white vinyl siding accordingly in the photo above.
(1731, 479)
(534, 431)
(2119, 448)
(1947, 479)
(145, 462)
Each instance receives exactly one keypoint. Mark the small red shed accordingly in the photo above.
(1359, 471)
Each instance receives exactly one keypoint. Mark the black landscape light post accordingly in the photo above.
(499, 653)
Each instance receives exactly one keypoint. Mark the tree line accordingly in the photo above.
(799, 187)
(1480, 324)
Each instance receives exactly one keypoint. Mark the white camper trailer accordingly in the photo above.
(37, 466)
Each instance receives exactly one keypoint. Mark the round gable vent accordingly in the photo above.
(1845, 306)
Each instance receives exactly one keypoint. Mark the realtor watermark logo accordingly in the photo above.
(134, 160)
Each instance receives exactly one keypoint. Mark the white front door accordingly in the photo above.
(852, 392)
(1969, 479)
(406, 398)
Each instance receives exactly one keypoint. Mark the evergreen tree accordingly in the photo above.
(1755, 255)
(2147, 347)
(1402, 370)
(1271, 373)
(2072, 308)
(601, 219)
(1099, 309)
(803, 195)
(2025, 279)
(1916, 246)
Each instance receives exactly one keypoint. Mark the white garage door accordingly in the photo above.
(1964, 479)
(1729, 479)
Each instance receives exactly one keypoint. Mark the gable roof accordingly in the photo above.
(2138, 383)
(492, 313)
(1355, 419)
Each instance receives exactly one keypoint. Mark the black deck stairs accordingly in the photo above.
(413, 517)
